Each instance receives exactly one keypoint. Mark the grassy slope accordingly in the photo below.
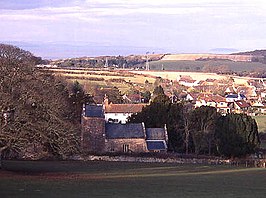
(120, 179)
(78, 74)
(261, 121)
(198, 65)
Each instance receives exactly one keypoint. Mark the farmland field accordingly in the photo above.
(124, 179)
(92, 78)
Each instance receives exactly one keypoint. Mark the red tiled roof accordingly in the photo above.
(242, 104)
(187, 81)
(124, 108)
(194, 95)
(212, 98)
(210, 80)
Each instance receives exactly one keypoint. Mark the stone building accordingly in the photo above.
(125, 138)
(93, 129)
(99, 136)
(119, 113)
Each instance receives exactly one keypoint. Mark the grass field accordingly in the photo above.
(181, 65)
(121, 179)
(172, 75)
(103, 78)
(261, 121)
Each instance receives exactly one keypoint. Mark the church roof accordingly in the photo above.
(94, 111)
(156, 145)
(124, 131)
(155, 133)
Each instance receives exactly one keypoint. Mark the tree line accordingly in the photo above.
(202, 130)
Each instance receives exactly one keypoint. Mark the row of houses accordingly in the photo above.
(231, 103)
(105, 127)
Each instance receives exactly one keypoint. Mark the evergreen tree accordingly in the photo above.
(237, 135)
(203, 123)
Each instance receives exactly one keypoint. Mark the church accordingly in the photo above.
(100, 136)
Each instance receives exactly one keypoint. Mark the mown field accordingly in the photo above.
(123, 179)
(261, 121)
(179, 65)
(122, 79)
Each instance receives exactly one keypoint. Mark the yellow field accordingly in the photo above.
(139, 77)
(107, 75)
(172, 75)
(90, 78)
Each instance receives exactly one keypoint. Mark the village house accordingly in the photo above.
(187, 81)
(257, 106)
(212, 100)
(235, 97)
(230, 90)
(248, 91)
(119, 113)
(132, 98)
(192, 96)
(209, 81)
(99, 136)
(241, 106)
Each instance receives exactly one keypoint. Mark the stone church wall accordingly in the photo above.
(93, 134)
(135, 145)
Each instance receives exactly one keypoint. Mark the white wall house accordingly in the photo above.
(119, 113)
(235, 97)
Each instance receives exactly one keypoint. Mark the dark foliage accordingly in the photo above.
(237, 135)
(36, 119)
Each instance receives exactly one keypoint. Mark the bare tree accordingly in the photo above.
(35, 109)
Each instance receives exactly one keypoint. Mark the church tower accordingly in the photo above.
(93, 129)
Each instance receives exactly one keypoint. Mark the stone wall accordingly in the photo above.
(135, 145)
(93, 134)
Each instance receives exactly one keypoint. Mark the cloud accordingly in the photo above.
(89, 10)
(187, 24)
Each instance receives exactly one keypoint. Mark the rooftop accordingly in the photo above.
(124, 108)
(155, 133)
(123, 131)
(94, 111)
(156, 145)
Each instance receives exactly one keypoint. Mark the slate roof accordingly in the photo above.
(124, 131)
(236, 96)
(155, 133)
(124, 108)
(94, 111)
(156, 145)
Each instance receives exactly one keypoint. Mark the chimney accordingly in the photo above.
(105, 101)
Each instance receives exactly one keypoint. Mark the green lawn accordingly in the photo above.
(121, 179)
(261, 121)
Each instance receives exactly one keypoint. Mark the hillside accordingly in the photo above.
(195, 57)
(217, 66)
(252, 53)
(107, 61)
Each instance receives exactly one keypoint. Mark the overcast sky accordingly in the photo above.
(168, 26)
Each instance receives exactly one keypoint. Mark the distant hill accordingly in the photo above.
(253, 53)
(108, 61)
(258, 55)
(206, 57)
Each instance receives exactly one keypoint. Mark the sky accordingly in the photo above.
(69, 28)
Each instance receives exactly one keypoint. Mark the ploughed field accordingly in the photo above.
(124, 179)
